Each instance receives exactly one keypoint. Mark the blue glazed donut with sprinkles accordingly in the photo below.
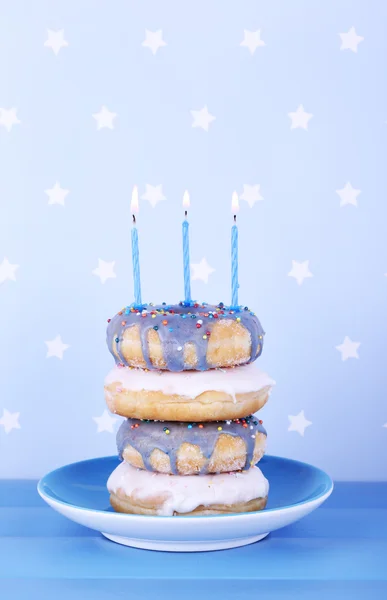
(184, 336)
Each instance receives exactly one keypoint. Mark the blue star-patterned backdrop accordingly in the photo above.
(283, 102)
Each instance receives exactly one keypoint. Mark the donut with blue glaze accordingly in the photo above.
(184, 336)
(192, 448)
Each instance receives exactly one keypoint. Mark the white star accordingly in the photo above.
(105, 422)
(202, 118)
(385, 425)
(8, 118)
(56, 347)
(10, 420)
(252, 40)
(7, 271)
(251, 193)
(350, 41)
(348, 195)
(153, 40)
(153, 193)
(348, 349)
(299, 423)
(300, 271)
(56, 40)
(56, 195)
(300, 118)
(104, 118)
(201, 271)
(105, 270)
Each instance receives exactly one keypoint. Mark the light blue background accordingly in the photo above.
(153, 142)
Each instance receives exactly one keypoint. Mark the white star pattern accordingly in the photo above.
(56, 348)
(252, 40)
(300, 118)
(251, 194)
(56, 195)
(7, 271)
(153, 40)
(350, 40)
(105, 422)
(55, 40)
(105, 118)
(348, 349)
(154, 194)
(299, 423)
(201, 271)
(348, 195)
(300, 271)
(202, 118)
(8, 118)
(105, 270)
(10, 421)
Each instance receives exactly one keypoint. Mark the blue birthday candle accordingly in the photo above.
(135, 250)
(185, 230)
(234, 252)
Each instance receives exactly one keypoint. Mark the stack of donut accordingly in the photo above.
(185, 384)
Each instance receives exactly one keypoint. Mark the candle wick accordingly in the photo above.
(134, 219)
(185, 213)
(234, 218)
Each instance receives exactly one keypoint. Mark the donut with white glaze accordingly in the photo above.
(192, 448)
(191, 396)
(142, 492)
(184, 336)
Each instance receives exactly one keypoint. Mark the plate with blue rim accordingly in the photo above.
(78, 491)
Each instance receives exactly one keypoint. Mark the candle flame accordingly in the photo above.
(186, 202)
(234, 203)
(134, 202)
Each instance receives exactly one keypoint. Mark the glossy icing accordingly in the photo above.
(168, 436)
(183, 494)
(185, 322)
(190, 384)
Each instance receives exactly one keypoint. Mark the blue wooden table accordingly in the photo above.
(339, 551)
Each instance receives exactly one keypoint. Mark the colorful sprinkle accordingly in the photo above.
(189, 426)
(201, 426)
(156, 327)
(220, 428)
(117, 340)
(165, 322)
(204, 337)
(238, 319)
